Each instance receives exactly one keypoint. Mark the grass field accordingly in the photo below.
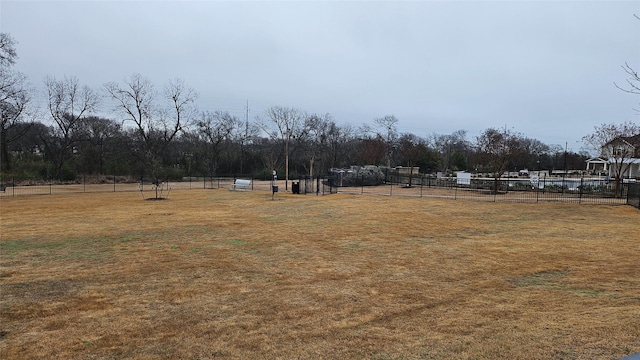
(212, 274)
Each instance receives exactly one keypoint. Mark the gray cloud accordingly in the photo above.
(545, 69)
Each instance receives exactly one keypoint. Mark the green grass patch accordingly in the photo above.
(551, 278)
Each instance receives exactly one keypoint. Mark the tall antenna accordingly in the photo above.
(245, 135)
(247, 114)
(246, 124)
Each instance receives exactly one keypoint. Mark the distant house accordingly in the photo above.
(623, 156)
(597, 166)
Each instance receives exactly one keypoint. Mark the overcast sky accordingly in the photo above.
(545, 69)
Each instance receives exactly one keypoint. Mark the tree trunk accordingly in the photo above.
(618, 187)
(6, 161)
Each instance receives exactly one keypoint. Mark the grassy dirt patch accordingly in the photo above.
(212, 274)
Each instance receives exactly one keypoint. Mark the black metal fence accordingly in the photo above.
(318, 185)
(107, 183)
(633, 195)
(543, 189)
(517, 189)
(148, 186)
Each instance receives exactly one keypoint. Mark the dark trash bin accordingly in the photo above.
(295, 187)
(274, 188)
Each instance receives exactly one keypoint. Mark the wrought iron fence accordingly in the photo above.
(544, 189)
(550, 189)
(148, 186)
(633, 195)
(318, 185)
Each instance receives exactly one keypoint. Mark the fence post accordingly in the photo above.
(114, 183)
(580, 187)
(495, 191)
(13, 181)
(84, 183)
(50, 185)
(508, 175)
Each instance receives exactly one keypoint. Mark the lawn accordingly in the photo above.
(216, 274)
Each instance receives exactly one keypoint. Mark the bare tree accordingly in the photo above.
(496, 147)
(243, 135)
(15, 100)
(182, 111)
(8, 54)
(136, 102)
(531, 152)
(69, 105)
(284, 124)
(620, 145)
(155, 126)
(410, 152)
(389, 132)
(102, 137)
(317, 144)
(216, 128)
(338, 138)
(633, 81)
(452, 147)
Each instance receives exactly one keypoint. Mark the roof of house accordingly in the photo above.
(633, 141)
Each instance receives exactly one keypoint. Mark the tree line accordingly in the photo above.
(159, 132)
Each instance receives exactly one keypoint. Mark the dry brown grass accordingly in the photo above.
(219, 274)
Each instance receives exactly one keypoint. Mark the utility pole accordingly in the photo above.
(566, 143)
(245, 136)
(286, 158)
(246, 117)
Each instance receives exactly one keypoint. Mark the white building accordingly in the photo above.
(622, 156)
